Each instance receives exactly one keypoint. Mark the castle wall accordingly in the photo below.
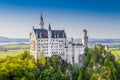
(53, 42)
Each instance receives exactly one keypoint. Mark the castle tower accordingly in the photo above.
(106, 48)
(49, 28)
(41, 25)
(49, 40)
(85, 38)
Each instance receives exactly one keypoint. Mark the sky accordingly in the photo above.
(101, 18)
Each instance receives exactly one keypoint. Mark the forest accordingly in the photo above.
(98, 64)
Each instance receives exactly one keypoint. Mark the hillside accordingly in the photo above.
(98, 64)
(6, 39)
(93, 41)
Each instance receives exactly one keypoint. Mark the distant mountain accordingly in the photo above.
(6, 39)
(109, 42)
(92, 41)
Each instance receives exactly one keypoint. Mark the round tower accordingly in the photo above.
(85, 38)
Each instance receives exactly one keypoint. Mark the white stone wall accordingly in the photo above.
(56, 46)
(74, 52)
(33, 44)
(43, 45)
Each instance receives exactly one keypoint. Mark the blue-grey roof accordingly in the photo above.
(43, 33)
(58, 34)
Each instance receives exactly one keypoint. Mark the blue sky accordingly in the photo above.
(100, 17)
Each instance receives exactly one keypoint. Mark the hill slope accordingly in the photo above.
(6, 39)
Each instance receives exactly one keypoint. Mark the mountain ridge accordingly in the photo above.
(7, 39)
(76, 40)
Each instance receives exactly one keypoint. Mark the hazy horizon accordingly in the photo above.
(100, 18)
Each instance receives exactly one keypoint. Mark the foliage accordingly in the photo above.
(24, 67)
(98, 64)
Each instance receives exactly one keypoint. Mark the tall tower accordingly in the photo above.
(41, 25)
(49, 40)
(85, 38)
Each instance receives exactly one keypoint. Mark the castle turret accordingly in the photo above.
(106, 48)
(49, 28)
(85, 38)
(41, 25)
(49, 31)
(49, 40)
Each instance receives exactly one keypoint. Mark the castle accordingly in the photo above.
(54, 42)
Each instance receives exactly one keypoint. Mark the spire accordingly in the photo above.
(41, 22)
(49, 31)
(41, 18)
(49, 28)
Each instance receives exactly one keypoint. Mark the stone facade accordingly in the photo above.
(54, 42)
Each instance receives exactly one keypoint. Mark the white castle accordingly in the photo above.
(54, 42)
